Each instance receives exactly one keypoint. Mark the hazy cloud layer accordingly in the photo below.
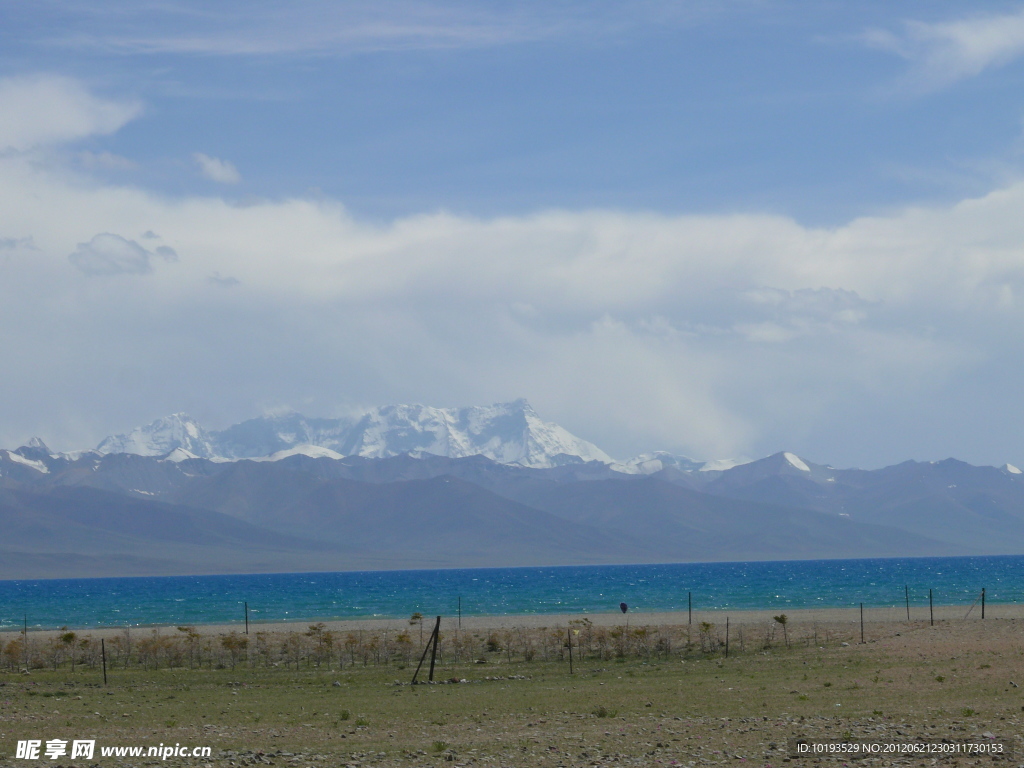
(327, 28)
(943, 53)
(109, 254)
(223, 281)
(887, 337)
(11, 243)
(711, 335)
(105, 161)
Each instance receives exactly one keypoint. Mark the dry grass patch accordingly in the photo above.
(910, 681)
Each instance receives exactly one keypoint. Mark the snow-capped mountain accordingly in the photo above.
(509, 433)
(162, 436)
(271, 435)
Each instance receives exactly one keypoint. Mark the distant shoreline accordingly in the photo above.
(529, 596)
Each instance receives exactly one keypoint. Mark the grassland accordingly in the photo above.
(680, 705)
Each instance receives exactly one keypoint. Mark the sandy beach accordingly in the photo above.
(887, 615)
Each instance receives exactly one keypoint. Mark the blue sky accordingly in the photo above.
(487, 109)
(719, 228)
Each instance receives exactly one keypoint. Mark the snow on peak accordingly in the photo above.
(796, 461)
(161, 437)
(17, 458)
(720, 465)
(649, 463)
(178, 455)
(313, 451)
(36, 443)
(509, 433)
(1011, 469)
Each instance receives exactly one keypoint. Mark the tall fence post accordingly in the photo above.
(430, 646)
(103, 655)
(862, 623)
(931, 609)
(689, 606)
(906, 589)
(727, 637)
(568, 633)
(247, 618)
(433, 652)
(983, 602)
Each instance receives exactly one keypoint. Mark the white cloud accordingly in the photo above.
(943, 53)
(217, 170)
(38, 110)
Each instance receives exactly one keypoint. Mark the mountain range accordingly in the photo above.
(410, 486)
(509, 433)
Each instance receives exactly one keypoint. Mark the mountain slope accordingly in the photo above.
(980, 508)
(443, 519)
(696, 526)
(126, 513)
(68, 531)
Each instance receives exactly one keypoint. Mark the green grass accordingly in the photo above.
(605, 707)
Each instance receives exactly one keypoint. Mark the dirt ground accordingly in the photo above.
(652, 700)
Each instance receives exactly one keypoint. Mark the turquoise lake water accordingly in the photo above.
(508, 591)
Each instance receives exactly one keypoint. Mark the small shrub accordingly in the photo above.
(345, 714)
(440, 746)
(967, 712)
(783, 619)
(603, 711)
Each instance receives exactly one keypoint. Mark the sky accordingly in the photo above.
(721, 229)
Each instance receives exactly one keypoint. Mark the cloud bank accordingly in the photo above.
(714, 335)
